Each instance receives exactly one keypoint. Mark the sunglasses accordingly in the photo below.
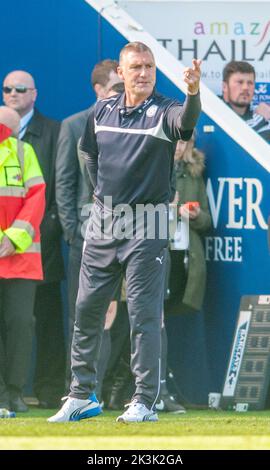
(18, 89)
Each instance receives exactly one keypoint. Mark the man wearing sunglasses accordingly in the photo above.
(20, 94)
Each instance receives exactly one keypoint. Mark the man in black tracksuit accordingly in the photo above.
(128, 144)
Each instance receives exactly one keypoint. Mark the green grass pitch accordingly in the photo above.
(205, 429)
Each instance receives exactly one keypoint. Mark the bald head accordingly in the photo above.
(22, 102)
(20, 76)
(10, 118)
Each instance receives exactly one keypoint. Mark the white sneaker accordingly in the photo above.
(75, 409)
(137, 412)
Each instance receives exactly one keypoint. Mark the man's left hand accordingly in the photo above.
(192, 77)
(6, 247)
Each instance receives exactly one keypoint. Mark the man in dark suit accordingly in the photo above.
(20, 93)
(73, 195)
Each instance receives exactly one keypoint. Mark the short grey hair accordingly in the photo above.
(136, 47)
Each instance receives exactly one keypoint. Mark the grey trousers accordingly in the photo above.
(102, 268)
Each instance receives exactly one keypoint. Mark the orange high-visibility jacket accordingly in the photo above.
(22, 204)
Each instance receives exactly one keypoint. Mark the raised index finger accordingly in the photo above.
(196, 64)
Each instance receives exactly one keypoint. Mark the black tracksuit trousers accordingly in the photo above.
(103, 263)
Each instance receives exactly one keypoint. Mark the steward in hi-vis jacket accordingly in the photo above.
(20, 94)
(22, 203)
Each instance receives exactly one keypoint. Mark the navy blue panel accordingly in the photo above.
(57, 41)
(228, 281)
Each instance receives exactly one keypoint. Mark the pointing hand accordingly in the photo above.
(192, 77)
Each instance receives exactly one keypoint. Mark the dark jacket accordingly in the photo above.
(42, 134)
(190, 186)
(73, 188)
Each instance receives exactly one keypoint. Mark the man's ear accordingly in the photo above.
(99, 90)
(34, 94)
(225, 90)
(120, 72)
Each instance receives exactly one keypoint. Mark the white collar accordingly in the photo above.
(24, 122)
